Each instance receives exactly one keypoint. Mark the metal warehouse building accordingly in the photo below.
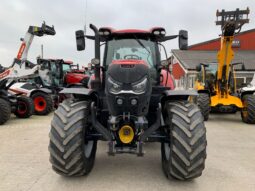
(185, 62)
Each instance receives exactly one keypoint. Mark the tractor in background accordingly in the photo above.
(216, 83)
(44, 88)
(248, 87)
(127, 105)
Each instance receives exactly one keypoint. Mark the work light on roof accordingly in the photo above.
(158, 31)
(104, 31)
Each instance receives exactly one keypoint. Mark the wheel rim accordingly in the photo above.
(22, 108)
(40, 104)
(167, 150)
(88, 148)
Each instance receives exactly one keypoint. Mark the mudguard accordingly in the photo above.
(179, 94)
(46, 90)
(78, 91)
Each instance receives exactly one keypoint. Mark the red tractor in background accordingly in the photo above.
(127, 105)
(53, 76)
(76, 75)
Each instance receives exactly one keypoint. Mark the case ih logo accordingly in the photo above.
(4, 74)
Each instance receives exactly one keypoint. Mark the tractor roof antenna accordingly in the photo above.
(86, 8)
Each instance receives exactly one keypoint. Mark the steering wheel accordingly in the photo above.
(132, 57)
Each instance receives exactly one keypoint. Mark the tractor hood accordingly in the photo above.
(128, 71)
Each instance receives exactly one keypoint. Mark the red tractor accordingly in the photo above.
(127, 105)
(61, 73)
(54, 75)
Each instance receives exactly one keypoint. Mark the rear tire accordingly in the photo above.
(248, 112)
(70, 153)
(203, 102)
(5, 109)
(43, 103)
(25, 107)
(184, 157)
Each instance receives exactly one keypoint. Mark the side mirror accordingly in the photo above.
(198, 68)
(80, 40)
(183, 40)
(165, 63)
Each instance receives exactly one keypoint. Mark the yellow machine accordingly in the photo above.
(216, 82)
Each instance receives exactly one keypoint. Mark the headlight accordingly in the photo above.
(113, 86)
(140, 87)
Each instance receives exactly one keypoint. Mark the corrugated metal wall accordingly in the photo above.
(247, 42)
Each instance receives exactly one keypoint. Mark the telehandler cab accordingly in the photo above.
(127, 105)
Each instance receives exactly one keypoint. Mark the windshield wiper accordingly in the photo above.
(141, 44)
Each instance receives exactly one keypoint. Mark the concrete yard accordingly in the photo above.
(24, 161)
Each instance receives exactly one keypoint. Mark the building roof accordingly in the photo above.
(189, 59)
(217, 39)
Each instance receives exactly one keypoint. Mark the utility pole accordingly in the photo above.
(41, 50)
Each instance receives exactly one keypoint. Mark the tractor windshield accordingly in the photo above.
(66, 67)
(131, 49)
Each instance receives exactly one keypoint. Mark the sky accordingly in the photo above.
(67, 16)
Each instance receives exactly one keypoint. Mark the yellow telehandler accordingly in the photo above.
(216, 82)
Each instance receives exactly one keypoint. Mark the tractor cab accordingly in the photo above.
(53, 71)
(131, 47)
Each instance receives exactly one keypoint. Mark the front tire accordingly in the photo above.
(203, 102)
(43, 103)
(70, 153)
(25, 107)
(5, 109)
(184, 157)
(248, 112)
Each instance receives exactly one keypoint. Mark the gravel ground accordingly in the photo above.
(24, 161)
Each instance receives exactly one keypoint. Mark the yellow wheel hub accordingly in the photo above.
(126, 134)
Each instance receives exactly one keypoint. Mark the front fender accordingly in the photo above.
(247, 92)
(78, 91)
(44, 90)
(179, 94)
